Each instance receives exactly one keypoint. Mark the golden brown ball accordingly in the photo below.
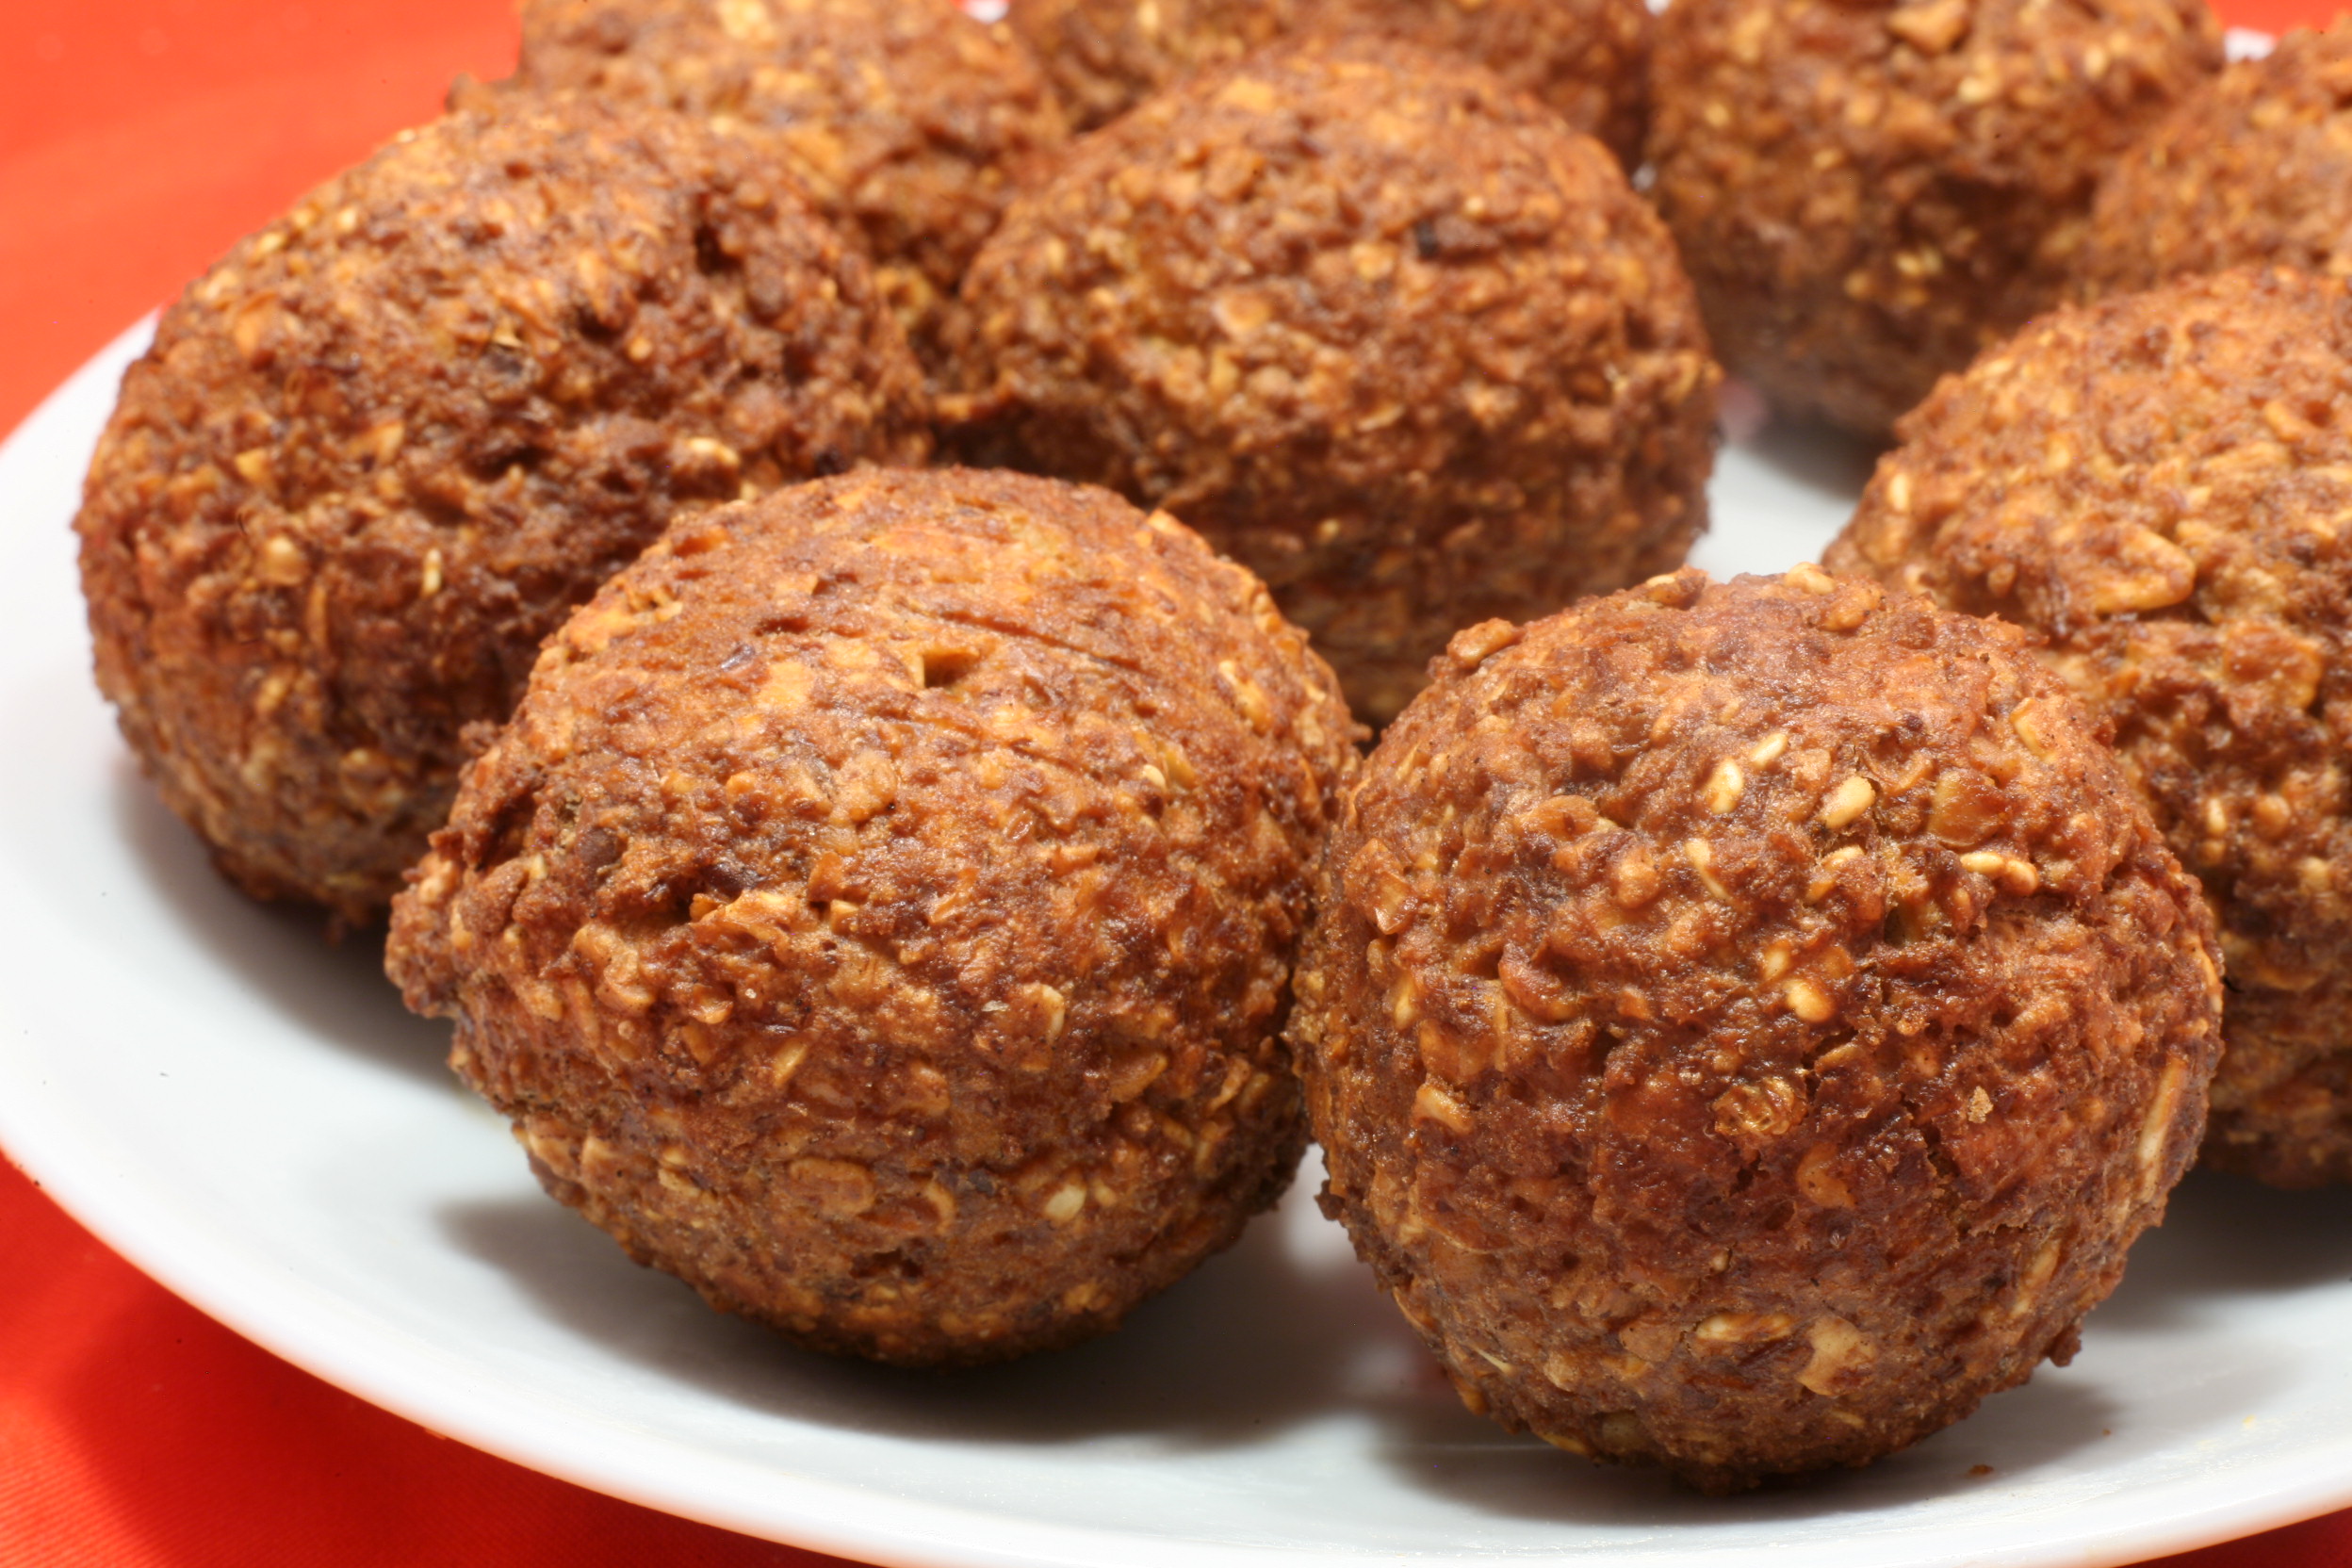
(1588, 59)
(2253, 168)
(2158, 485)
(386, 447)
(880, 911)
(1385, 332)
(1746, 1024)
(1869, 193)
(909, 123)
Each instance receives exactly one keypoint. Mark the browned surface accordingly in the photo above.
(1746, 1027)
(880, 911)
(1386, 333)
(1587, 58)
(2159, 484)
(2255, 166)
(386, 445)
(1869, 193)
(1107, 55)
(909, 123)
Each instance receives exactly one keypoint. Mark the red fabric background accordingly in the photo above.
(138, 139)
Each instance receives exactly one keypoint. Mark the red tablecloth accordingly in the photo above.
(138, 139)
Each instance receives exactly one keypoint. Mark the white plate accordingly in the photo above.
(250, 1116)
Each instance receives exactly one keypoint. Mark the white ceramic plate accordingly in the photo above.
(248, 1115)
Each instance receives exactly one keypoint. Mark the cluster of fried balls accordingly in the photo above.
(822, 561)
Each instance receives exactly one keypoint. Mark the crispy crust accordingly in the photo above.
(2157, 485)
(1104, 57)
(1588, 59)
(1385, 332)
(1747, 1024)
(910, 123)
(2256, 166)
(1869, 193)
(880, 910)
(386, 445)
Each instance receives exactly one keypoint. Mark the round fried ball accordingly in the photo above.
(1747, 1024)
(383, 449)
(1587, 58)
(2256, 166)
(880, 910)
(1104, 57)
(1382, 330)
(1868, 193)
(910, 122)
(2158, 485)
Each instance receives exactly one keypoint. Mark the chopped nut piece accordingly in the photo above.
(1808, 1001)
(1724, 786)
(1839, 1349)
(1853, 796)
(1431, 1104)
(2021, 877)
(1635, 882)
(1701, 858)
(1745, 1328)
(1817, 1179)
(1811, 578)
(1825, 876)
(1067, 1203)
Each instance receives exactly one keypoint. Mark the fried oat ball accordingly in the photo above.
(2254, 167)
(386, 447)
(1747, 1024)
(1589, 60)
(880, 911)
(1868, 193)
(1104, 57)
(1385, 332)
(910, 122)
(2158, 487)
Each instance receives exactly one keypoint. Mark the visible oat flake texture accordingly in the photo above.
(1386, 332)
(385, 446)
(1747, 1024)
(880, 911)
(2158, 486)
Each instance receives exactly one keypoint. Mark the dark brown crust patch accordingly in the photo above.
(1747, 1024)
(880, 910)
(386, 446)
(1385, 332)
(2159, 486)
(1869, 193)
